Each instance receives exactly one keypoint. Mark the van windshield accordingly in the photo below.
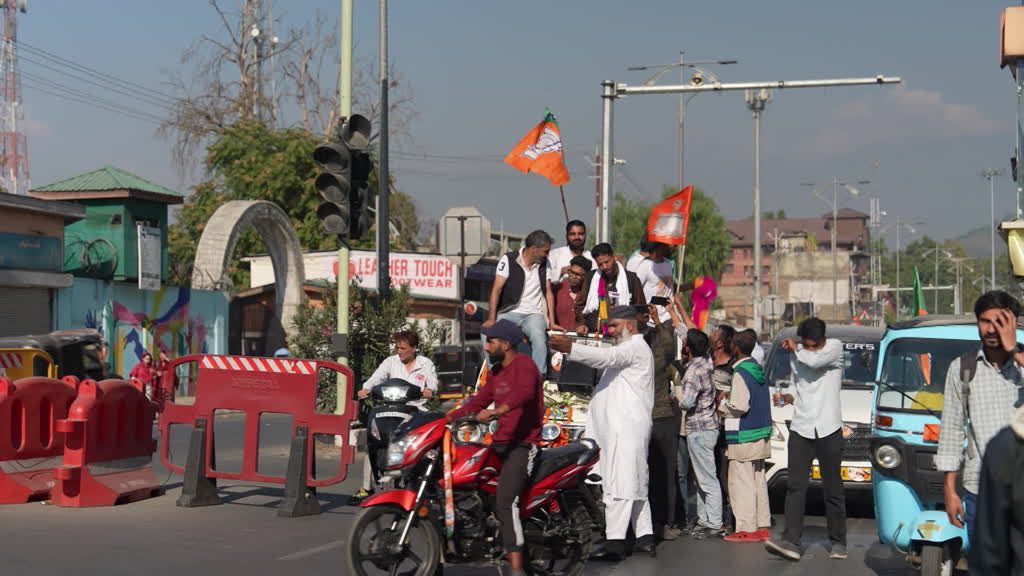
(914, 372)
(859, 363)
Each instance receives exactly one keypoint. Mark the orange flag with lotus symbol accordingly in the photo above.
(540, 151)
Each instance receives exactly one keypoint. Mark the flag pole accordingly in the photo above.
(564, 207)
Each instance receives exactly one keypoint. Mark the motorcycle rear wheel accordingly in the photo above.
(375, 529)
(544, 561)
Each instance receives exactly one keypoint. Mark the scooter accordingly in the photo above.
(390, 409)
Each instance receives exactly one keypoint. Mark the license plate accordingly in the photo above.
(848, 473)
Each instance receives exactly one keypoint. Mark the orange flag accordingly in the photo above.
(670, 218)
(540, 152)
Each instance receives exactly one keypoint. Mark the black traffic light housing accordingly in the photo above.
(342, 183)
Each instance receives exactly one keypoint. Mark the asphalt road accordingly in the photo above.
(245, 535)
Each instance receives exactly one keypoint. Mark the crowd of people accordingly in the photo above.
(675, 402)
(678, 404)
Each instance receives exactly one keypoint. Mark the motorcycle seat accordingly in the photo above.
(551, 460)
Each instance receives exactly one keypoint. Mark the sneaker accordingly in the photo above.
(671, 533)
(838, 552)
(743, 537)
(783, 549)
(763, 535)
(358, 497)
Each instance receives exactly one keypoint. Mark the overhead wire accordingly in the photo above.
(52, 84)
(88, 102)
(135, 95)
(89, 70)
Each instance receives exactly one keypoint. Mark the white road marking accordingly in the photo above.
(313, 551)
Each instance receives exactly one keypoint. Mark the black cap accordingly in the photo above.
(504, 330)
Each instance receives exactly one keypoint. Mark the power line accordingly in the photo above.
(88, 70)
(52, 84)
(143, 99)
(87, 102)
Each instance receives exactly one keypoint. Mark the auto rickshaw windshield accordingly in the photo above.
(914, 372)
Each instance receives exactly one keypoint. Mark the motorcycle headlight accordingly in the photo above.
(469, 433)
(493, 427)
(550, 431)
(397, 449)
(888, 457)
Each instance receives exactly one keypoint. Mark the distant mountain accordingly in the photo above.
(978, 242)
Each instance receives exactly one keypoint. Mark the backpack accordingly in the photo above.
(968, 367)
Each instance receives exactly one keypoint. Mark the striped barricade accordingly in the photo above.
(31, 445)
(253, 386)
(108, 446)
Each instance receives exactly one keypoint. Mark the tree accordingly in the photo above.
(707, 238)
(227, 75)
(372, 321)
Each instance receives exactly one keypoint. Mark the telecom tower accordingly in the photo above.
(13, 147)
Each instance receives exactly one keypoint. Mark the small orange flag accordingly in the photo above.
(670, 218)
(540, 152)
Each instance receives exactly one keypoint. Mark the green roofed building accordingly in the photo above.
(122, 212)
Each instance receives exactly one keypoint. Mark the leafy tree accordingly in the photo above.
(372, 321)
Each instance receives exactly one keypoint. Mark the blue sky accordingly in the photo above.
(482, 74)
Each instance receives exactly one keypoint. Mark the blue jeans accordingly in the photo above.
(535, 326)
(709, 492)
(683, 477)
(970, 502)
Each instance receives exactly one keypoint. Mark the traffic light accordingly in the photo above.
(342, 183)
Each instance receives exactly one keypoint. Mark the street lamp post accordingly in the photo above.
(989, 174)
(756, 99)
(836, 183)
(697, 80)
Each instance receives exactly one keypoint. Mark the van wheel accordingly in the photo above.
(936, 561)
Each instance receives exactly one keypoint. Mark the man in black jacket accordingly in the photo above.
(997, 545)
(611, 282)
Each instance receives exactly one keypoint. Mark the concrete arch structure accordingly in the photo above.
(221, 235)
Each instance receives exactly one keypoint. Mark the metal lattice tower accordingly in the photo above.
(13, 146)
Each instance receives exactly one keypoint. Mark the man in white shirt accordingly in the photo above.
(655, 272)
(406, 364)
(816, 431)
(522, 294)
(560, 258)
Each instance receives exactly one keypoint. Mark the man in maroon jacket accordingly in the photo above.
(514, 387)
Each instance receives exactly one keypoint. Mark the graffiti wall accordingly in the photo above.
(178, 321)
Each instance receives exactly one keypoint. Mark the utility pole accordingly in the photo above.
(608, 95)
(344, 111)
(383, 176)
(756, 99)
(990, 174)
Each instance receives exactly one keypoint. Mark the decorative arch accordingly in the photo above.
(221, 236)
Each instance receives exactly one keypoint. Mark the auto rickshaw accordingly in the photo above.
(908, 489)
(54, 355)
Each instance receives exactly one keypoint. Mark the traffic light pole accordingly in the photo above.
(344, 111)
(383, 176)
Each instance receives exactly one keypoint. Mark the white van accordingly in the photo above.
(861, 357)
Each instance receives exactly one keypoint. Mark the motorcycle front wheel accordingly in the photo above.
(372, 548)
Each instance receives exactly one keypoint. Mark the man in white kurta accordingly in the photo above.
(619, 421)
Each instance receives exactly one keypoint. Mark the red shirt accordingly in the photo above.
(565, 302)
(519, 386)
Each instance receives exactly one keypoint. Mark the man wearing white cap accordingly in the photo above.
(620, 422)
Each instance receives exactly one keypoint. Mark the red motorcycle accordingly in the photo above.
(448, 515)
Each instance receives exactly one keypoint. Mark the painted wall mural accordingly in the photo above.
(175, 320)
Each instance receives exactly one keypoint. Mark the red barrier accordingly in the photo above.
(30, 444)
(108, 446)
(255, 386)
